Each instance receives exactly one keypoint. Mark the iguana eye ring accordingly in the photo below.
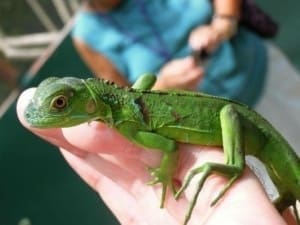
(59, 102)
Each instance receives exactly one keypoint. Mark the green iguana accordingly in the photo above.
(161, 119)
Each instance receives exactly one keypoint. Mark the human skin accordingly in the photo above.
(117, 170)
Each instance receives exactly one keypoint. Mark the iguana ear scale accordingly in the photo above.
(90, 107)
(98, 106)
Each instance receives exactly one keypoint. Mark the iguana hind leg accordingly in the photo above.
(231, 172)
(234, 158)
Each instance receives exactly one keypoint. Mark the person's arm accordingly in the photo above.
(99, 64)
(222, 27)
(226, 17)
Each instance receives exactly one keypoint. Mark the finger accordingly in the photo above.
(200, 39)
(90, 136)
(96, 137)
(141, 201)
(105, 186)
(206, 38)
(289, 217)
(193, 76)
(54, 136)
(92, 168)
(195, 41)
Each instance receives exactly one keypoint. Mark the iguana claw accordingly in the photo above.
(159, 176)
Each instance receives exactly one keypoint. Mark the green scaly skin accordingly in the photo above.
(159, 120)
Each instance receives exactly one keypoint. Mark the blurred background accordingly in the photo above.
(36, 185)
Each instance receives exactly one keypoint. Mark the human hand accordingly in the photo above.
(205, 37)
(117, 170)
(181, 73)
(209, 37)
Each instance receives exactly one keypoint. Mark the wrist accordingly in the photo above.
(225, 25)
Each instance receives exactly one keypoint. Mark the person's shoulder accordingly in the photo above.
(86, 24)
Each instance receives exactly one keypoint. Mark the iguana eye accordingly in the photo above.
(59, 102)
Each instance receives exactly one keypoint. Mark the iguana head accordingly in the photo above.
(62, 102)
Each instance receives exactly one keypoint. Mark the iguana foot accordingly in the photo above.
(164, 174)
(161, 176)
(229, 171)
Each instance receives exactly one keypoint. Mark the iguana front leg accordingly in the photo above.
(144, 82)
(234, 158)
(165, 172)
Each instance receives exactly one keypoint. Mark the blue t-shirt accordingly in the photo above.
(140, 36)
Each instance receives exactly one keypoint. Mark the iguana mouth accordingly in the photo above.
(40, 120)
